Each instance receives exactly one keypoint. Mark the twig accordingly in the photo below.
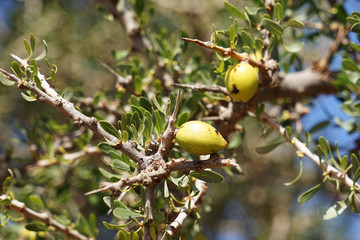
(149, 209)
(189, 206)
(269, 65)
(202, 88)
(148, 178)
(169, 134)
(323, 64)
(43, 217)
(301, 147)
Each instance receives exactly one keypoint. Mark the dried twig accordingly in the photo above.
(43, 217)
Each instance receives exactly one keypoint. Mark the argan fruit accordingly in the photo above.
(241, 82)
(199, 138)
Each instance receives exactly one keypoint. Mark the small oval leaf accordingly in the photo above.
(208, 176)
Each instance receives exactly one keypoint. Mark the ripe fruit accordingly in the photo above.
(199, 138)
(241, 82)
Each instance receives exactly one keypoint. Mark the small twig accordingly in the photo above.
(322, 65)
(148, 178)
(169, 134)
(202, 88)
(269, 65)
(301, 147)
(189, 206)
(43, 217)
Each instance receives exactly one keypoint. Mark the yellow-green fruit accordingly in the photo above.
(241, 82)
(199, 138)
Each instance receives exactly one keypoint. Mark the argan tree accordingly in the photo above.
(168, 120)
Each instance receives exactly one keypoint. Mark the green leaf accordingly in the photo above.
(108, 201)
(294, 24)
(5, 81)
(335, 210)
(269, 147)
(254, 10)
(109, 175)
(294, 47)
(145, 103)
(319, 126)
(344, 162)
(37, 201)
(324, 146)
(279, 11)
(157, 105)
(28, 98)
(32, 42)
(208, 176)
(43, 53)
(125, 136)
(16, 69)
(36, 226)
(184, 117)
(355, 28)
(28, 48)
(349, 64)
(272, 26)
(356, 177)
(248, 40)
(115, 226)
(123, 213)
(232, 36)
(355, 162)
(5, 202)
(304, 197)
(234, 11)
(105, 147)
(158, 122)
(109, 128)
(220, 69)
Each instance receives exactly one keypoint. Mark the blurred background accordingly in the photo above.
(257, 205)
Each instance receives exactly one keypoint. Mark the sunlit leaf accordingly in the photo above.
(335, 210)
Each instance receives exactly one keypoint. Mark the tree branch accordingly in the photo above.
(43, 217)
(302, 148)
(148, 178)
(129, 22)
(48, 95)
(189, 206)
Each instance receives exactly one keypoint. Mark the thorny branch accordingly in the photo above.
(147, 178)
(45, 93)
(263, 66)
(43, 217)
